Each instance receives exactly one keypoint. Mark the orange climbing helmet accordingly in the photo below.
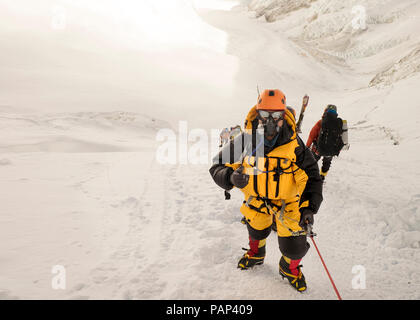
(271, 100)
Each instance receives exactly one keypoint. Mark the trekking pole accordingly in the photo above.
(312, 235)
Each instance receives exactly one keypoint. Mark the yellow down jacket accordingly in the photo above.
(277, 182)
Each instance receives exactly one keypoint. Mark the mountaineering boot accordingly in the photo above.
(323, 175)
(290, 269)
(253, 256)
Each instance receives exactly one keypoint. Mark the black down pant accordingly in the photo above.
(326, 162)
(294, 248)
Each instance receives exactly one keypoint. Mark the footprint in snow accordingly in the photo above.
(78, 287)
(5, 162)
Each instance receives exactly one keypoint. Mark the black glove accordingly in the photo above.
(306, 217)
(239, 179)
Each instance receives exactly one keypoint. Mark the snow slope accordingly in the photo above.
(81, 185)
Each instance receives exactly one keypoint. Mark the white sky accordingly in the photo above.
(69, 55)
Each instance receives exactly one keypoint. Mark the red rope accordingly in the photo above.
(329, 276)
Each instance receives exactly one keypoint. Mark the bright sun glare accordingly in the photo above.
(163, 23)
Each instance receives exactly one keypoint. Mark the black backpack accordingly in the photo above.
(330, 142)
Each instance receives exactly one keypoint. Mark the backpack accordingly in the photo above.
(330, 140)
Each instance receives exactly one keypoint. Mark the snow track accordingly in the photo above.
(184, 241)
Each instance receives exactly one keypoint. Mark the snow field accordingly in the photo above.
(81, 186)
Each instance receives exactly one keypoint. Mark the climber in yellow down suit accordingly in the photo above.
(279, 178)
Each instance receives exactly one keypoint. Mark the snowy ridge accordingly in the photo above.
(383, 55)
(332, 27)
(273, 10)
(78, 132)
(406, 67)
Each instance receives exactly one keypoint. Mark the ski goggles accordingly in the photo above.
(276, 115)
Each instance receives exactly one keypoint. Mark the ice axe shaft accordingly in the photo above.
(311, 235)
